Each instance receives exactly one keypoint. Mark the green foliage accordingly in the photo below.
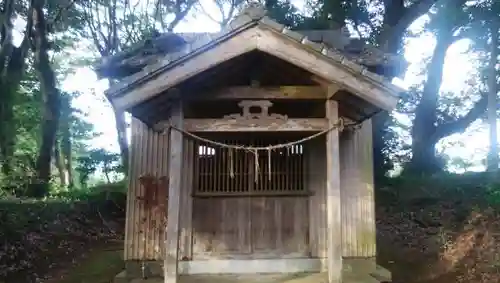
(110, 26)
(101, 192)
(97, 159)
(493, 195)
(473, 188)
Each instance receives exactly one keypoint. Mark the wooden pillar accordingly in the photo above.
(170, 268)
(186, 209)
(333, 241)
(357, 193)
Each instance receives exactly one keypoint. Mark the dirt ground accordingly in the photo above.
(439, 244)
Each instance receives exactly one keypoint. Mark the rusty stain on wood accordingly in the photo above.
(144, 230)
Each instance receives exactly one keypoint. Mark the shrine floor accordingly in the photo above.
(263, 278)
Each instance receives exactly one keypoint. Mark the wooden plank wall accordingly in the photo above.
(144, 227)
(357, 193)
(145, 230)
(250, 227)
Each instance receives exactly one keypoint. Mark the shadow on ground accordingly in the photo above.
(98, 266)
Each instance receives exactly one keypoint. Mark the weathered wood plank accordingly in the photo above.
(281, 92)
(228, 125)
(334, 234)
(317, 202)
(174, 196)
(358, 209)
(260, 227)
(145, 228)
(367, 188)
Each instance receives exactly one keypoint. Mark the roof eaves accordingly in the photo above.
(334, 55)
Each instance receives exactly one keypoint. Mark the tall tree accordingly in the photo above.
(12, 65)
(492, 82)
(451, 22)
(50, 94)
(226, 10)
(114, 25)
(492, 98)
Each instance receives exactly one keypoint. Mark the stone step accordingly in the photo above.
(359, 278)
(382, 274)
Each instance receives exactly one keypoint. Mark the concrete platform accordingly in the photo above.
(354, 271)
(263, 278)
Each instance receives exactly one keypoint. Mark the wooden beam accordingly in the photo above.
(174, 193)
(282, 92)
(227, 125)
(333, 203)
(295, 53)
(332, 90)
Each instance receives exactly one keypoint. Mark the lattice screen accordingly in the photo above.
(224, 172)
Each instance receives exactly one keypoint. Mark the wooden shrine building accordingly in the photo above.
(255, 144)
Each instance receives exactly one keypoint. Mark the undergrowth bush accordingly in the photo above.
(472, 188)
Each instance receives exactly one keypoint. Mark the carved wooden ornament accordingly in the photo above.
(261, 118)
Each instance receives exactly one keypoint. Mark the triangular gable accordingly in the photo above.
(248, 32)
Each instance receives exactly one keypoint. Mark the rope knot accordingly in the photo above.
(341, 124)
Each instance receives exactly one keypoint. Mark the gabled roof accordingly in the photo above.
(167, 51)
(134, 59)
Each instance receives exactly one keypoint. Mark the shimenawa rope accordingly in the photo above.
(341, 125)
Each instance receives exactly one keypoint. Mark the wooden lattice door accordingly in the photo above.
(223, 171)
(250, 205)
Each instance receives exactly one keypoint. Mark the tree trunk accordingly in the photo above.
(423, 158)
(492, 163)
(426, 132)
(59, 162)
(397, 19)
(106, 173)
(51, 100)
(66, 153)
(121, 130)
(12, 62)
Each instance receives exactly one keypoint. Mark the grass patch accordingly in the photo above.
(99, 267)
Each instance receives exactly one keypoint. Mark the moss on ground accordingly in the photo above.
(100, 266)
